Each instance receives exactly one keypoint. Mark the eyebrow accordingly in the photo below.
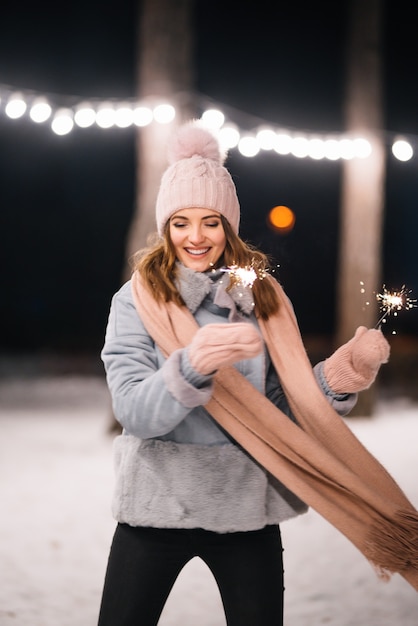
(205, 217)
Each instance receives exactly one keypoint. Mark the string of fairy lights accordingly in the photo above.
(72, 114)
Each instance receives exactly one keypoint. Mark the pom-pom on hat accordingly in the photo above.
(196, 177)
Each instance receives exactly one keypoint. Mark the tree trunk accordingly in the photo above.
(164, 73)
(363, 183)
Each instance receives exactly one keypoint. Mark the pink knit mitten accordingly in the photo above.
(354, 366)
(219, 345)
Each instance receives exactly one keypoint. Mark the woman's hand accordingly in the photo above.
(219, 345)
(354, 366)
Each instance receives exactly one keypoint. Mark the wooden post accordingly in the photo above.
(362, 202)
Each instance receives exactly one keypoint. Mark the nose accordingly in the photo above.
(196, 236)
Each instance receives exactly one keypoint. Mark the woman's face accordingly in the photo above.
(198, 237)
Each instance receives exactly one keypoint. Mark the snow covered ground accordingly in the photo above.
(56, 479)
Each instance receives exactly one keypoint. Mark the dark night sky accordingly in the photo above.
(66, 202)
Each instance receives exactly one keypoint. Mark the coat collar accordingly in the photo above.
(194, 287)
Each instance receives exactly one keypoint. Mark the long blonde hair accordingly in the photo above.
(157, 265)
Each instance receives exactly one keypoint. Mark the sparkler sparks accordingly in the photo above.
(393, 301)
(245, 276)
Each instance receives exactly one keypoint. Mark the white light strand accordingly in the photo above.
(17, 104)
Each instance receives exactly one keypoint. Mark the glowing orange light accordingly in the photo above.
(282, 218)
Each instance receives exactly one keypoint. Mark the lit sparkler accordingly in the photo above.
(391, 302)
(245, 276)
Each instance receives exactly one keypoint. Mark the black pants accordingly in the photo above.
(145, 562)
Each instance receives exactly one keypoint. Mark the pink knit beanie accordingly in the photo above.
(196, 177)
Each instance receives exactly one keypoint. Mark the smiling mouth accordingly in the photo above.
(199, 252)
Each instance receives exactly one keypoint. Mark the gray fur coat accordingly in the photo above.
(174, 466)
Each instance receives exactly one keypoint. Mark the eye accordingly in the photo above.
(178, 224)
(213, 224)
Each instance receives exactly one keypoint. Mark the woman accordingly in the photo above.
(185, 487)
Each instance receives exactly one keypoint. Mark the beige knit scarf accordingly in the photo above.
(319, 459)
